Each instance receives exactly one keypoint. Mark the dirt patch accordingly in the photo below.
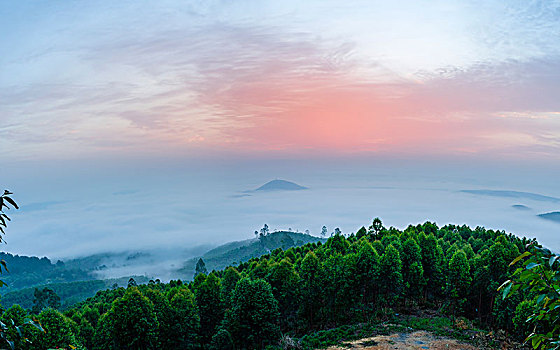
(417, 340)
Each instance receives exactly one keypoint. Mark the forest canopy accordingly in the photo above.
(362, 278)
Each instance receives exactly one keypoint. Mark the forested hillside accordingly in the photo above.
(294, 296)
(72, 282)
(26, 271)
(69, 293)
(241, 251)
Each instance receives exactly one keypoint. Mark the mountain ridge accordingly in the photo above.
(280, 185)
(241, 251)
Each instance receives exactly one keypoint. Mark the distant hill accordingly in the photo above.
(552, 216)
(74, 280)
(241, 251)
(514, 194)
(77, 279)
(70, 293)
(280, 185)
(29, 271)
(520, 207)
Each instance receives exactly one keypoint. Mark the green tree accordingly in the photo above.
(432, 259)
(498, 258)
(5, 202)
(253, 318)
(480, 291)
(378, 246)
(229, 281)
(414, 280)
(165, 316)
(391, 239)
(349, 284)
(200, 268)
(104, 337)
(13, 334)
(391, 266)
(523, 312)
(197, 282)
(376, 228)
(44, 298)
(264, 232)
(539, 275)
(459, 278)
(86, 333)
(91, 315)
(16, 320)
(362, 232)
(311, 292)
(368, 272)
(186, 321)
(285, 287)
(337, 243)
(332, 284)
(413, 272)
(222, 340)
(210, 307)
(134, 321)
(57, 331)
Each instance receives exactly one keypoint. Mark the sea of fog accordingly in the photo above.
(177, 210)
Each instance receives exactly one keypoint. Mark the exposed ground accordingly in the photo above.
(415, 340)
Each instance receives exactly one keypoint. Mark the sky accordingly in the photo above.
(141, 102)
(200, 78)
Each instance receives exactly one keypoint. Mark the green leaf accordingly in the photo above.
(532, 265)
(552, 260)
(12, 202)
(503, 285)
(529, 337)
(3, 263)
(519, 258)
(536, 342)
(35, 323)
(506, 290)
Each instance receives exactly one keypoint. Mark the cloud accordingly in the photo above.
(454, 112)
(207, 81)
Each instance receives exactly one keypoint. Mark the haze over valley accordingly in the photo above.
(176, 212)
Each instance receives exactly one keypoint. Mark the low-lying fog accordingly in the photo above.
(88, 208)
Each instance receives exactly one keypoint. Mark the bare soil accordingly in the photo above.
(417, 340)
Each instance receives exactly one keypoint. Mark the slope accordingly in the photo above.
(241, 251)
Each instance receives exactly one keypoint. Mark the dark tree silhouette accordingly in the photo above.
(44, 298)
(200, 268)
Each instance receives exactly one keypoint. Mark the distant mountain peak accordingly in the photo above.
(552, 216)
(280, 185)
